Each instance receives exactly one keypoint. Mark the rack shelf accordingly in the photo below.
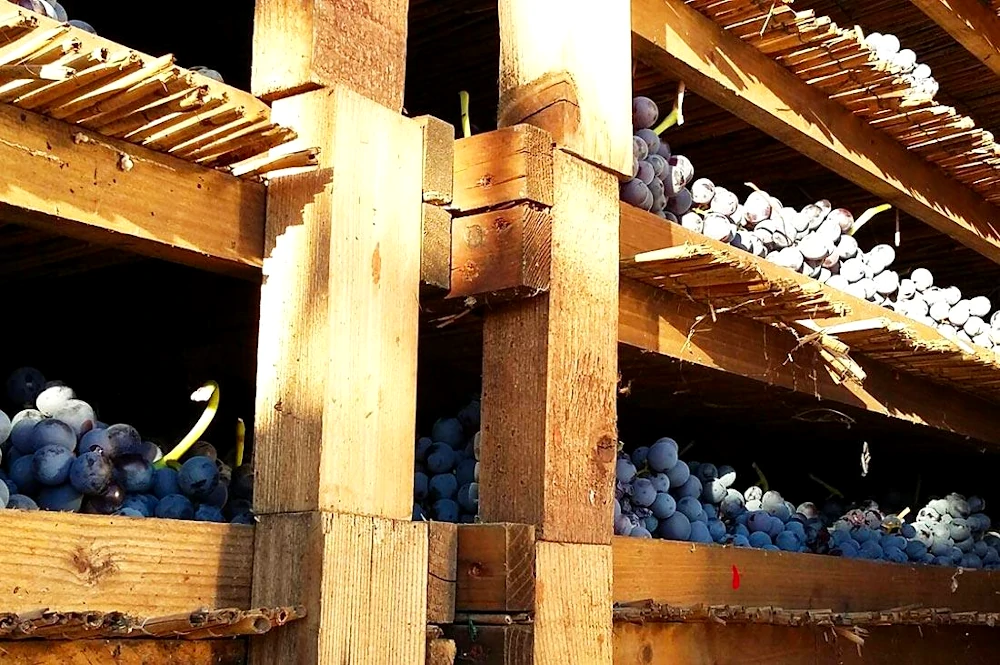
(972, 24)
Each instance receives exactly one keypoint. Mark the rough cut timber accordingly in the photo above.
(124, 652)
(338, 336)
(492, 645)
(65, 179)
(438, 159)
(574, 81)
(495, 571)
(435, 250)
(442, 565)
(362, 579)
(971, 23)
(83, 562)
(739, 78)
(302, 45)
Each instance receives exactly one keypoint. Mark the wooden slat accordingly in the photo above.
(497, 168)
(435, 250)
(124, 652)
(75, 562)
(567, 71)
(496, 568)
(438, 159)
(971, 24)
(501, 253)
(71, 181)
(339, 307)
(363, 581)
(442, 567)
(684, 574)
(703, 644)
(673, 37)
(300, 46)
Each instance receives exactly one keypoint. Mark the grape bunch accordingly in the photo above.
(660, 179)
(56, 455)
(446, 477)
(53, 10)
(903, 61)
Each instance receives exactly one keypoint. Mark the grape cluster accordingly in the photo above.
(57, 456)
(903, 61)
(446, 477)
(660, 179)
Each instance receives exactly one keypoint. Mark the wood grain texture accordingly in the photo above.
(703, 644)
(687, 574)
(124, 652)
(73, 562)
(68, 180)
(337, 347)
(568, 72)
(971, 24)
(497, 168)
(493, 645)
(438, 159)
(654, 320)
(671, 36)
(301, 45)
(362, 579)
(435, 250)
(441, 652)
(549, 375)
(442, 567)
(572, 603)
(496, 568)
(501, 253)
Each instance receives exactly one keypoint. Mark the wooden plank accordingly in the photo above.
(496, 568)
(684, 574)
(502, 167)
(568, 72)
(572, 603)
(478, 644)
(435, 250)
(653, 320)
(438, 159)
(363, 581)
(673, 37)
(68, 180)
(73, 562)
(501, 253)
(303, 45)
(441, 652)
(970, 23)
(338, 338)
(124, 652)
(704, 644)
(442, 566)
(549, 373)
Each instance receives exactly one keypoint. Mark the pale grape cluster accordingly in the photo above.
(658, 495)
(53, 10)
(903, 61)
(446, 477)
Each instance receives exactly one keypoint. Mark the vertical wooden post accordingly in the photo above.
(336, 384)
(550, 362)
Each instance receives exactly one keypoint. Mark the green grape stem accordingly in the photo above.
(866, 217)
(463, 98)
(762, 482)
(667, 122)
(199, 428)
(829, 488)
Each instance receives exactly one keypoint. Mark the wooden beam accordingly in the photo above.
(568, 72)
(338, 338)
(653, 320)
(442, 571)
(435, 250)
(673, 37)
(704, 644)
(67, 180)
(363, 581)
(970, 23)
(495, 169)
(504, 253)
(683, 574)
(493, 645)
(302, 45)
(124, 652)
(496, 568)
(438, 159)
(75, 562)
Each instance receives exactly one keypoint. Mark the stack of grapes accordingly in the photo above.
(446, 479)
(53, 10)
(903, 61)
(57, 456)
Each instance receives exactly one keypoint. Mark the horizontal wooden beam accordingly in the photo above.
(683, 574)
(73, 182)
(496, 169)
(705, 644)
(674, 38)
(971, 23)
(72, 562)
(496, 568)
(124, 652)
(652, 319)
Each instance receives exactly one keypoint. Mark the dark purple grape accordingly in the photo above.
(134, 474)
(62, 499)
(21, 502)
(51, 464)
(207, 513)
(644, 112)
(105, 503)
(124, 440)
(138, 503)
(165, 482)
(646, 172)
(91, 473)
(634, 192)
(218, 497)
(77, 414)
(640, 149)
(651, 139)
(202, 449)
(175, 507)
(198, 477)
(242, 483)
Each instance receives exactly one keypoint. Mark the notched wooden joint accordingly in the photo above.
(550, 103)
(501, 168)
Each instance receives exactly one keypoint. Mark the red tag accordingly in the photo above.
(736, 577)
